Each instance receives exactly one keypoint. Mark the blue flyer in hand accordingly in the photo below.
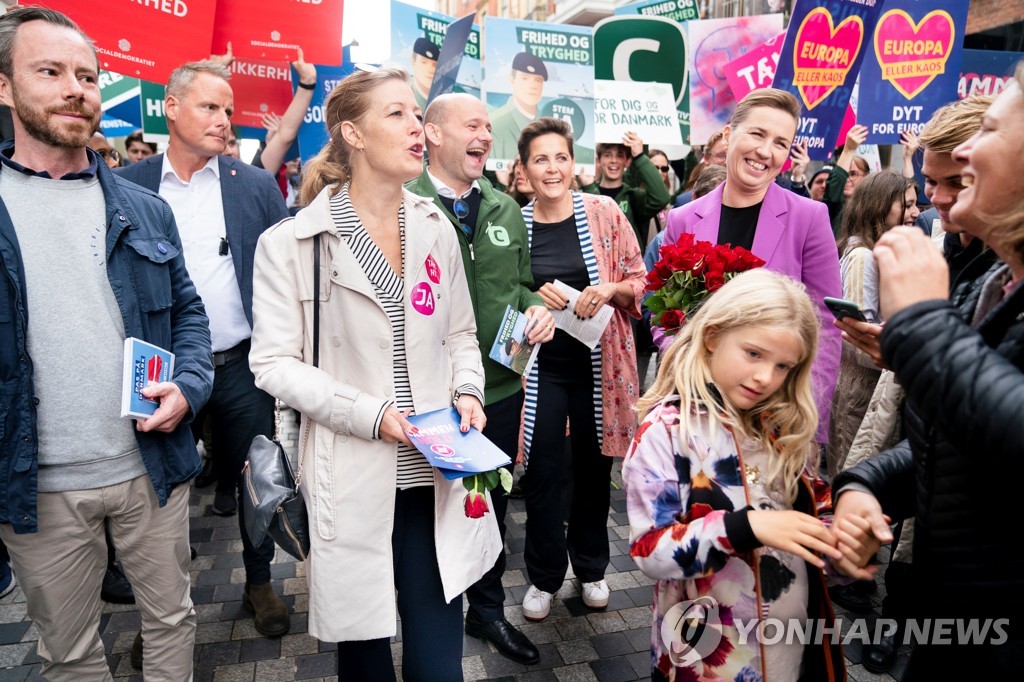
(144, 364)
(455, 453)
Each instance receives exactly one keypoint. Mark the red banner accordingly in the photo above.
(275, 29)
(144, 39)
(260, 87)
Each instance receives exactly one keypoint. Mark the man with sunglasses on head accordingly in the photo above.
(496, 256)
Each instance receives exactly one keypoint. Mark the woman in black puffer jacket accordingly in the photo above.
(960, 473)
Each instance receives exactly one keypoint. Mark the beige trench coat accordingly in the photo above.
(349, 479)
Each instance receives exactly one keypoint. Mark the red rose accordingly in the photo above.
(672, 319)
(476, 505)
(714, 281)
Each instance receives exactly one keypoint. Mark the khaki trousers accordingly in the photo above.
(60, 569)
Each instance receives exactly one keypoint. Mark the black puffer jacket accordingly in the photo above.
(960, 472)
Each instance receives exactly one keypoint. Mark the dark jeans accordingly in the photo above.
(431, 629)
(240, 412)
(551, 469)
(487, 596)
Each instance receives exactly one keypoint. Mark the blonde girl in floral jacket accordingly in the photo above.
(721, 513)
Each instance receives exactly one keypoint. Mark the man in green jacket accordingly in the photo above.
(496, 255)
(626, 175)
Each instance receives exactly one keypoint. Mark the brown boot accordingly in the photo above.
(270, 614)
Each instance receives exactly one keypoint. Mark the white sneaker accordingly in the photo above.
(537, 604)
(595, 595)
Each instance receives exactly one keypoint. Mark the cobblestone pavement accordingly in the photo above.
(575, 642)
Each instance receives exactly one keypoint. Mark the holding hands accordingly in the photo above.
(860, 528)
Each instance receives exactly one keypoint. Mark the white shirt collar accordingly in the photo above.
(444, 190)
(213, 164)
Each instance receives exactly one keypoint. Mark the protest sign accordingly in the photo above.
(674, 10)
(154, 125)
(646, 49)
(275, 30)
(647, 109)
(913, 66)
(821, 57)
(144, 40)
(536, 70)
(121, 104)
(986, 72)
(313, 133)
(714, 43)
(453, 50)
(259, 87)
(417, 36)
(112, 126)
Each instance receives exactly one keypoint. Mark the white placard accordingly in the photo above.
(647, 109)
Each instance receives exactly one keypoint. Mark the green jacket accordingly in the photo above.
(834, 198)
(498, 270)
(640, 204)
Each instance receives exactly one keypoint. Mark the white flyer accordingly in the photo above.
(588, 331)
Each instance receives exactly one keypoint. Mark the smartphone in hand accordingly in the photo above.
(842, 308)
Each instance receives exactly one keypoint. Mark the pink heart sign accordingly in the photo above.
(912, 56)
(824, 54)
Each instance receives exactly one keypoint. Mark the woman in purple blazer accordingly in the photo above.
(792, 234)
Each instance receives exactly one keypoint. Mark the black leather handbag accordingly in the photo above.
(271, 497)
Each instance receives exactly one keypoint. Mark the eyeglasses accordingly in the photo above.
(461, 209)
(108, 154)
(718, 156)
(663, 169)
(856, 174)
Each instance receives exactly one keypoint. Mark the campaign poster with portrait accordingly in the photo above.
(821, 58)
(912, 67)
(713, 44)
(123, 32)
(536, 69)
(417, 36)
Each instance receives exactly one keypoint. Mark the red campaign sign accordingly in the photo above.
(146, 39)
(275, 29)
(260, 87)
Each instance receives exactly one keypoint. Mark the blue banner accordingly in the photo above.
(450, 59)
(313, 134)
(821, 57)
(912, 67)
(984, 72)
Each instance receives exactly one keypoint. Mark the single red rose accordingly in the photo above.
(714, 281)
(476, 505)
(672, 319)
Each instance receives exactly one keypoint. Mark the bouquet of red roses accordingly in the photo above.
(689, 271)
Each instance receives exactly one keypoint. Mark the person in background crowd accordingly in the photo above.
(583, 241)
(496, 258)
(519, 187)
(136, 148)
(848, 172)
(714, 155)
(221, 206)
(949, 127)
(231, 148)
(98, 143)
(424, 64)
(816, 188)
(527, 78)
(282, 130)
(389, 535)
(789, 232)
(797, 180)
(69, 462)
(959, 469)
(660, 161)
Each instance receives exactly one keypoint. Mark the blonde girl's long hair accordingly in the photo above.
(787, 421)
(348, 101)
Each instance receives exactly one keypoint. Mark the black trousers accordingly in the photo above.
(240, 412)
(431, 629)
(486, 596)
(552, 469)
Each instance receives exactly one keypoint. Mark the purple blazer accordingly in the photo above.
(794, 237)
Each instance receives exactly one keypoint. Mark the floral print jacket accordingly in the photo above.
(687, 503)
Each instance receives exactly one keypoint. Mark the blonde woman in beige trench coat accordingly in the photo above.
(357, 513)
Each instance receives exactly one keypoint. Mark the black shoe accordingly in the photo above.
(224, 503)
(136, 655)
(510, 642)
(206, 475)
(116, 588)
(852, 597)
(879, 658)
(516, 491)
